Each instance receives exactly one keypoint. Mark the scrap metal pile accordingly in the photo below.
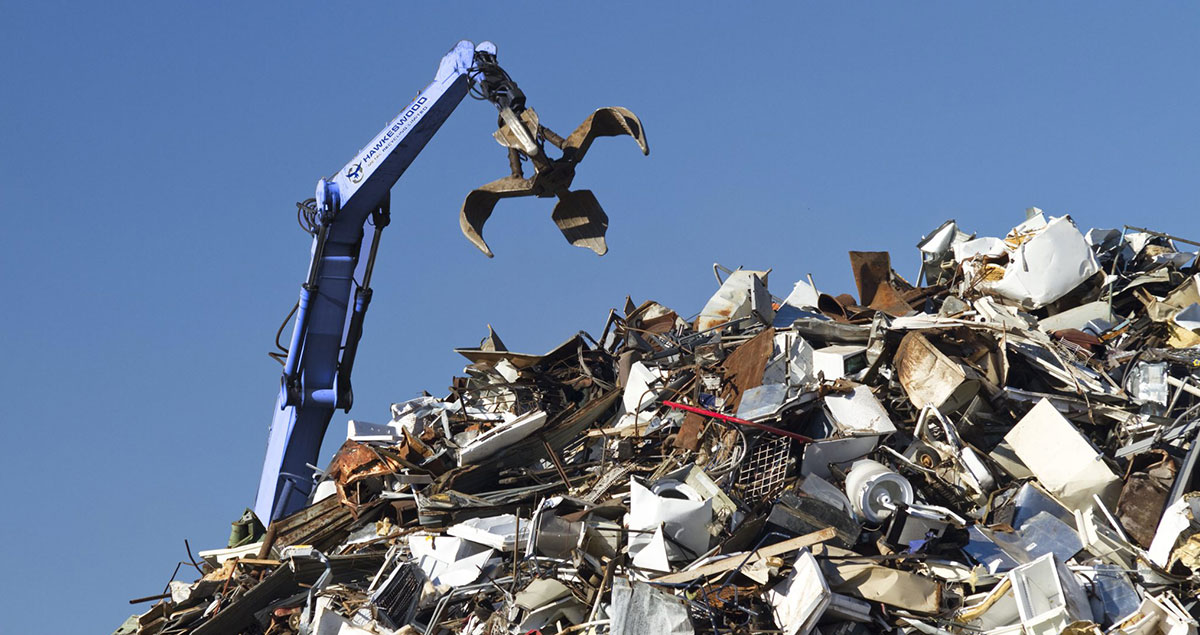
(1006, 445)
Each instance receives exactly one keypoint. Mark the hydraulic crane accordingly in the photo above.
(329, 317)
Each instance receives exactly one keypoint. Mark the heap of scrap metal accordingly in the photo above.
(1006, 445)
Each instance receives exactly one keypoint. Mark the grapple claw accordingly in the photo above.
(612, 121)
(581, 220)
(577, 214)
(478, 206)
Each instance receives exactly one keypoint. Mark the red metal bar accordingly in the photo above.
(716, 415)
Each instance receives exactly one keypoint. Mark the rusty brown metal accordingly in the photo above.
(890, 301)
(744, 367)
(553, 454)
(832, 307)
(873, 275)
(1079, 338)
(843, 308)
(929, 377)
(355, 462)
(1144, 495)
(689, 432)
(871, 270)
(268, 540)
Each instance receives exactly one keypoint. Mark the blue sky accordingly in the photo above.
(152, 153)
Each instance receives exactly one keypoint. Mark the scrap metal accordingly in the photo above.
(1010, 448)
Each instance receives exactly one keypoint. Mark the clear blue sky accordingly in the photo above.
(152, 152)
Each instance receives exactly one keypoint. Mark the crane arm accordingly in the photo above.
(316, 376)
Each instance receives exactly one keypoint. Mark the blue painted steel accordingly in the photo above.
(289, 367)
(345, 201)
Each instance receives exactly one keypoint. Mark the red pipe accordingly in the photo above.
(716, 415)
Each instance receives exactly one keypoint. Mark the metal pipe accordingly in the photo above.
(1183, 385)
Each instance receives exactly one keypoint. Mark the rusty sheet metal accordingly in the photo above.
(890, 301)
(744, 367)
(872, 269)
(843, 308)
(355, 462)
(872, 275)
(832, 307)
(1079, 338)
(929, 377)
(690, 430)
(1144, 495)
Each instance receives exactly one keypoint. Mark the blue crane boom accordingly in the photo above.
(328, 322)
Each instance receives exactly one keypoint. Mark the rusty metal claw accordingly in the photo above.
(605, 122)
(478, 206)
(577, 214)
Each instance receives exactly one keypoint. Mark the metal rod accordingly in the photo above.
(716, 415)
(148, 598)
(562, 472)
(268, 541)
(1162, 235)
